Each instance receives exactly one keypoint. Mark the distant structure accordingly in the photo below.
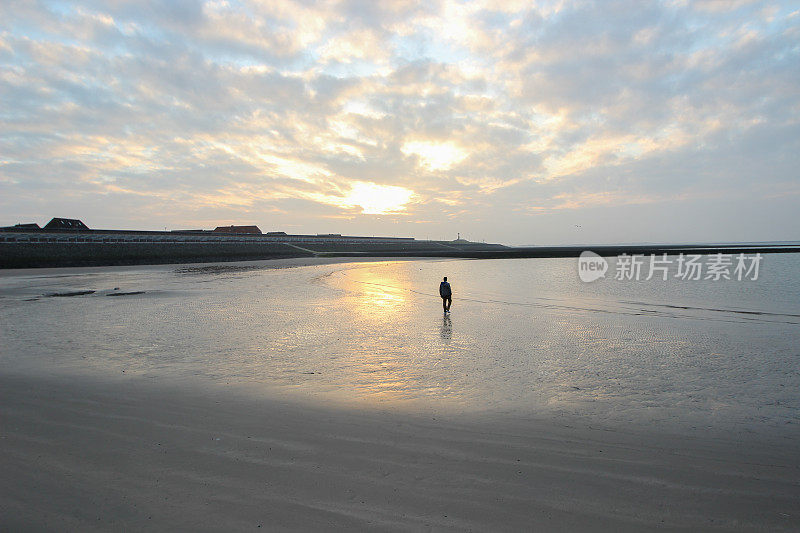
(69, 242)
(66, 223)
(32, 225)
(459, 239)
(238, 229)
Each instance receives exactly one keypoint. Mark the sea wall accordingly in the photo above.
(80, 253)
(59, 254)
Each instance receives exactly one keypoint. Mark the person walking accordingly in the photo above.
(447, 294)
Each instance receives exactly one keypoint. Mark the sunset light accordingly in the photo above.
(378, 199)
(435, 156)
(312, 116)
(460, 265)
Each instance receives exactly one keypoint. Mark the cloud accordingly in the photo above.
(284, 112)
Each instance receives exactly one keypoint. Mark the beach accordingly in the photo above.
(399, 266)
(334, 396)
(83, 456)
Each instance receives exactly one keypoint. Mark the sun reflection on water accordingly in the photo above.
(398, 338)
(374, 289)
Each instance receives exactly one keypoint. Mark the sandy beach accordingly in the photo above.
(83, 455)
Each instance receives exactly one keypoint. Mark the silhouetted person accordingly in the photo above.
(447, 295)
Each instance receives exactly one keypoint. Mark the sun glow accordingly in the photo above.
(435, 156)
(377, 199)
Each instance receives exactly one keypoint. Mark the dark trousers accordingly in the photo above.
(446, 301)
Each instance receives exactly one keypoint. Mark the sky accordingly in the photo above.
(522, 123)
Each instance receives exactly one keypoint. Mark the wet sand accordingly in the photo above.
(81, 454)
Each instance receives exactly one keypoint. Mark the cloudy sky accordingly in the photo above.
(532, 122)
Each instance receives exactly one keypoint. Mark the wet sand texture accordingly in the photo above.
(84, 456)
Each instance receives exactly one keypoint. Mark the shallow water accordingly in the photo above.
(525, 336)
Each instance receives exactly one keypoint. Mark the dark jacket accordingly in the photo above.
(444, 290)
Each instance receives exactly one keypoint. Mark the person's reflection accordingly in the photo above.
(447, 328)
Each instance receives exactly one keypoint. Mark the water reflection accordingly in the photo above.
(382, 298)
(375, 289)
(380, 355)
(447, 328)
(532, 338)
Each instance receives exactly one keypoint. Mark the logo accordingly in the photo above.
(695, 267)
(591, 267)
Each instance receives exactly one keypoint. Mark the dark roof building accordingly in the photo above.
(31, 225)
(238, 229)
(65, 223)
